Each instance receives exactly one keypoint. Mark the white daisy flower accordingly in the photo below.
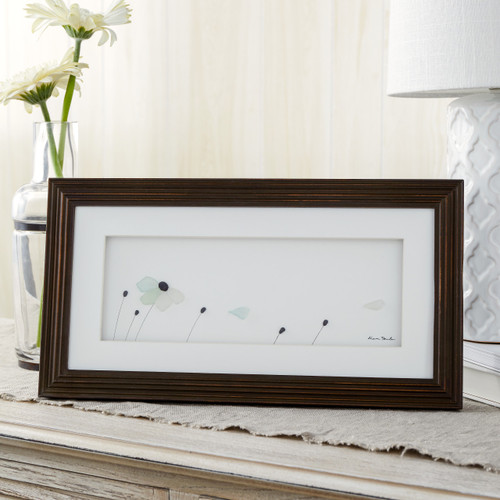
(36, 84)
(79, 23)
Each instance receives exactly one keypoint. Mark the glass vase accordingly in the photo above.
(54, 155)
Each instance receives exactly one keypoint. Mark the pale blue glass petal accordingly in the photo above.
(150, 296)
(240, 312)
(175, 295)
(147, 284)
(164, 301)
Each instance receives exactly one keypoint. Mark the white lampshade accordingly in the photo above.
(443, 48)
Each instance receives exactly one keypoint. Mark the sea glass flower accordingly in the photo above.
(36, 84)
(158, 293)
(79, 23)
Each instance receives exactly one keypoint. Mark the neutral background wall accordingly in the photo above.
(226, 88)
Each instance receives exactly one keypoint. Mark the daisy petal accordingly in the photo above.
(113, 37)
(104, 37)
(37, 24)
(164, 301)
(150, 297)
(147, 284)
(37, 83)
(74, 18)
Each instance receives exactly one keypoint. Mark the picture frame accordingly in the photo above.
(254, 291)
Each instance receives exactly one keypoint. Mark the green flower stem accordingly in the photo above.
(58, 159)
(58, 172)
(52, 142)
(68, 97)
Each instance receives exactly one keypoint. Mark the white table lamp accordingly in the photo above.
(450, 48)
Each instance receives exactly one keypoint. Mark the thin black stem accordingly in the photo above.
(325, 322)
(282, 330)
(131, 323)
(118, 317)
(317, 335)
(202, 311)
(192, 328)
(145, 318)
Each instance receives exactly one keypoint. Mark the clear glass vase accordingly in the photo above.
(54, 144)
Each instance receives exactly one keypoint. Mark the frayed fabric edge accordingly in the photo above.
(313, 439)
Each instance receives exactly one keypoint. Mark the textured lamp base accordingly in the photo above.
(474, 155)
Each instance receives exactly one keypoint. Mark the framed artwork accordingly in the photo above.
(283, 292)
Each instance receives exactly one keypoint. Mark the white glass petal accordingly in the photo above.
(176, 296)
(164, 301)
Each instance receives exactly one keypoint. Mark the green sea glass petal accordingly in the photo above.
(150, 296)
(147, 284)
(240, 312)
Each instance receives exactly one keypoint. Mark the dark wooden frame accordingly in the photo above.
(443, 391)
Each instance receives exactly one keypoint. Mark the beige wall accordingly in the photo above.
(226, 88)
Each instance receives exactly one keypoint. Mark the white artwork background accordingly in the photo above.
(251, 288)
(359, 263)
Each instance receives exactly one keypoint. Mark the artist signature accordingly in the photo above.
(380, 338)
